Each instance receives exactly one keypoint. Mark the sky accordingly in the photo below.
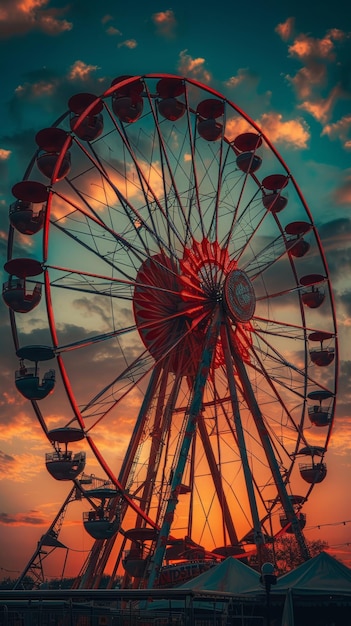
(288, 66)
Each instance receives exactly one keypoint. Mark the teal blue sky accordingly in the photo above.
(286, 64)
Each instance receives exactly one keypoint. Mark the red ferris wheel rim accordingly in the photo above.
(170, 261)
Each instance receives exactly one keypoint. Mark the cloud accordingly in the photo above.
(342, 195)
(285, 29)
(291, 132)
(88, 308)
(305, 47)
(165, 23)
(335, 236)
(81, 71)
(106, 18)
(36, 90)
(339, 228)
(33, 518)
(111, 30)
(48, 91)
(244, 75)
(323, 79)
(340, 130)
(19, 17)
(20, 468)
(194, 68)
(306, 79)
(321, 109)
(128, 43)
(345, 302)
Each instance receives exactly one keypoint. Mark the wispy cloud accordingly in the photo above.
(33, 518)
(243, 75)
(128, 43)
(81, 71)
(342, 194)
(18, 17)
(195, 68)
(293, 132)
(286, 29)
(341, 130)
(19, 468)
(113, 31)
(320, 84)
(4, 154)
(165, 23)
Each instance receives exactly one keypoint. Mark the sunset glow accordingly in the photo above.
(180, 253)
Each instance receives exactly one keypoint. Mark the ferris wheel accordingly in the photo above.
(186, 329)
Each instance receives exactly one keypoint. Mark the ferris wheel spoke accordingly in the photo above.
(298, 389)
(276, 362)
(281, 328)
(99, 236)
(153, 171)
(83, 343)
(169, 165)
(100, 284)
(276, 354)
(95, 160)
(117, 390)
(266, 258)
(132, 214)
(273, 383)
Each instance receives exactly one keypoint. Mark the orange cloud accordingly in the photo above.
(321, 109)
(20, 468)
(165, 22)
(128, 43)
(27, 6)
(235, 126)
(315, 75)
(305, 47)
(106, 18)
(243, 75)
(42, 89)
(32, 518)
(339, 130)
(111, 30)
(342, 195)
(36, 89)
(81, 71)
(317, 109)
(51, 26)
(193, 67)
(285, 29)
(22, 16)
(4, 154)
(341, 439)
(320, 59)
(292, 132)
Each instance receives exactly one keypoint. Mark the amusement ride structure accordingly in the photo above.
(188, 337)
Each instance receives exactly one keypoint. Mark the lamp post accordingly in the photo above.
(267, 579)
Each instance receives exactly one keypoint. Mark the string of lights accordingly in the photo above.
(319, 526)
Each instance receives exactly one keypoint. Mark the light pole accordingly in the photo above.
(267, 579)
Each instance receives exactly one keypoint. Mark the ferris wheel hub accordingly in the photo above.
(239, 296)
